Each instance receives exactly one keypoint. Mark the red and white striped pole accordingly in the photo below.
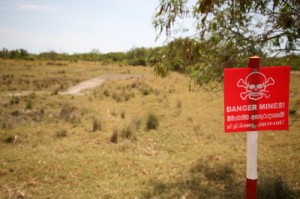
(252, 139)
(251, 181)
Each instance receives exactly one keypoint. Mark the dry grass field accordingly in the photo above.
(134, 138)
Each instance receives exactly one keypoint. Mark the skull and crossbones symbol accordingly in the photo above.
(255, 85)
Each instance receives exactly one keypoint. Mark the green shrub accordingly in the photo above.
(14, 100)
(9, 138)
(28, 105)
(152, 121)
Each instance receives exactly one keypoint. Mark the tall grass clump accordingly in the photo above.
(70, 114)
(274, 188)
(14, 100)
(114, 137)
(130, 131)
(145, 91)
(29, 105)
(55, 92)
(152, 121)
(61, 133)
(96, 125)
(106, 93)
(127, 132)
(137, 123)
(122, 114)
(117, 97)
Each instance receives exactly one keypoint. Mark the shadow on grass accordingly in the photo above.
(204, 180)
(215, 180)
(275, 188)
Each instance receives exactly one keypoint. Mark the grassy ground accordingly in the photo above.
(106, 145)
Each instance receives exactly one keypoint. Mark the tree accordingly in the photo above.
(4, 53)
(241, 27)
(256, 24)
(51, 55)
(136, 56)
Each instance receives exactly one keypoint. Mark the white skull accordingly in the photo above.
(255, 85)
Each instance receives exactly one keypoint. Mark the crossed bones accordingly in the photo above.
(255, 90)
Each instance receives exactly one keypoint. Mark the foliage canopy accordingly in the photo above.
(252, 26)
(229, 30)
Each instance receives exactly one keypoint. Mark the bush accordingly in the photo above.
(28, 105)
(14, 100)
(152, 121)
(9, 138)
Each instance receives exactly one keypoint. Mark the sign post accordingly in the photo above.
(251, 174)
(255, 98)
(252, 140)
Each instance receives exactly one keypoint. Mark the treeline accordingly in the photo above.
(134, 57)
(185, 55)
(14, 54)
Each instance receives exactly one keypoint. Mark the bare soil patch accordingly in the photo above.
(80, 88)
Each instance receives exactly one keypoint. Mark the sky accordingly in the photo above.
(77, 26)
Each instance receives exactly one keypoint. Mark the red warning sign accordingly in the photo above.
(256, 98)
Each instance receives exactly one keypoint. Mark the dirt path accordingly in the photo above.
(80, 88)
